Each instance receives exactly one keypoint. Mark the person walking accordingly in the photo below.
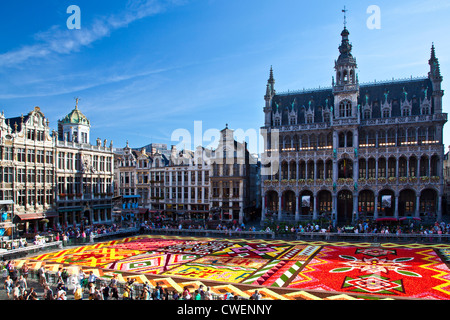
(42, 278)
(25, 270)
(22, 282)
(78, 292)
(8, 285)
(16, 291)
(105, 291)
(81, 277)
(207, 295)
(113, 287)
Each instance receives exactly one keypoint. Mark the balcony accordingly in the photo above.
(408, 119)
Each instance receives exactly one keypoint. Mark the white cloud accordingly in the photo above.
(57, 40)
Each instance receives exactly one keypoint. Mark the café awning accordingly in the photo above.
(409, 218)
(30, 216)
(386, 219)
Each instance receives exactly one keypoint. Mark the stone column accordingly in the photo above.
(279, 207)
(315, 207)
(334, 207)
(355, 206)
(263, 208)
(288, 170)
(375, 213)
(417, 213)
(396, 206)
(439, 208)
(297, 214)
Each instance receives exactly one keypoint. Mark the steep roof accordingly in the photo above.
(373, 93)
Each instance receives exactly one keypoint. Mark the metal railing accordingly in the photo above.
(311, 236)
(31, 248)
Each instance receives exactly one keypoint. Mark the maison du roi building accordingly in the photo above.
(50, 178)
(356, 150)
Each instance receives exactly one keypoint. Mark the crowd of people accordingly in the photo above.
(15, 283)
(78, 234)
(84, 286)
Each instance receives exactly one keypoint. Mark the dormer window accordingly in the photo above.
(425, 109)
(406, 112)
(292, 120)
(277, 121)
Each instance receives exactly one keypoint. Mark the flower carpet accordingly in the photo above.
(279, 269)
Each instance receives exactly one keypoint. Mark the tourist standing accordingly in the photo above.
(42, 278)
(8, 285)
(22, 282)
(25, 270)
(207, 295)
(78, 292)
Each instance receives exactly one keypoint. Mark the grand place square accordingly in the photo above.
(341, 192)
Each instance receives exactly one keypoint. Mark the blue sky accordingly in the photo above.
(143, 69)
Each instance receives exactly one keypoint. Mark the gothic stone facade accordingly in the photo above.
(355, 150)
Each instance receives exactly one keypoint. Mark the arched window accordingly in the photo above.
(372, 139)
(362, 139)
(322, 141)
(422, 136)
(345, 76)
(345, 109)
(295, 143)
(342, 140)
(391, 137)
(349, 139)
(412, 139)
(382, 138)
(401, 137)
(313, 142)
(432, 135)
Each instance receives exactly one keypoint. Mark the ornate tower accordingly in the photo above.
(346, 87)
(270, 93)
(436, 79)
(74, 127)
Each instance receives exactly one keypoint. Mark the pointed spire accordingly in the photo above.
(433, 52)
(435, 69)
(271, 79)
(270, 90)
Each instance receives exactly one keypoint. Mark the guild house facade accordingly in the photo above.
(50, 179)
(355, 150)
